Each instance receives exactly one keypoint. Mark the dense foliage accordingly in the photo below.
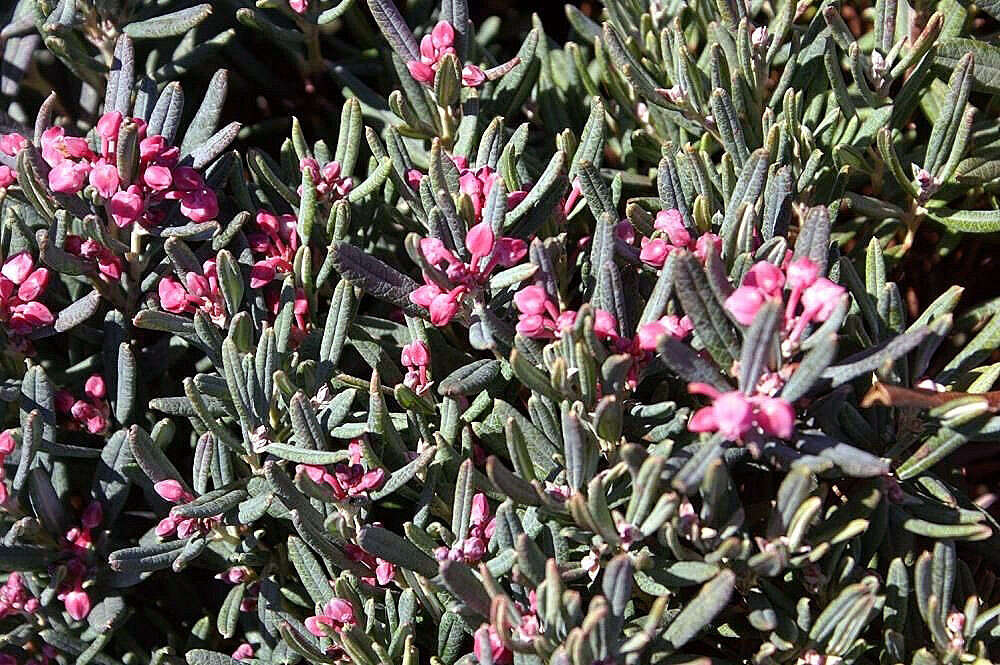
(569, 352)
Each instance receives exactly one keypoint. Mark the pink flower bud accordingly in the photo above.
(443, 35)
(94, 387)
(510, 251)
(68, 177)
(649, 335)
(299, 6)
(744, 303)
(532, 325)
(416, 354)
(472, 76)
(413, 177)
(261, 273)
(7, 176)
(244, 650)
(822, 298)
(487, 641)
(171, 490)
(29, 316)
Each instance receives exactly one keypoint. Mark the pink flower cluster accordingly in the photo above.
(90, 414)
(765, 281)
(238, 575)
(202, 293)
(7, 445)
(15, 597)
(487, 638)
(10, 145)
(160, 178)
(481, 528)
(540, 318)
(671, 235)
(330, 184)
(735, 415)
(347, 480)
(487, 253)
(174, 492)
(80, 544)
(109, 265)
(335, 616)
(416, 357)
(276, 240)
(433, 48)
(21, 285)
(385, 571)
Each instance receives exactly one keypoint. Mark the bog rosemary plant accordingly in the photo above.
(432, 343)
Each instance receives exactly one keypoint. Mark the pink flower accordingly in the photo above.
(104, 178)
(765, 277)
(705, 243)
(299, 6)
(734, 414)
(336, 615)
(15, 598)
(649, 334)
(13, 143)
(21, 284)
(744, 303)
(158, 178)
(421, 72)
(94, 388)
(654, 251)
(108, 125)
(416, 359)
(487, 640)
(672, 223)
(472, 76)
(7, 176)
(68, 177)
(244, 650)
(127, 206)
(199, 205)
(77, 604)
(821, 298)
(775, 416)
